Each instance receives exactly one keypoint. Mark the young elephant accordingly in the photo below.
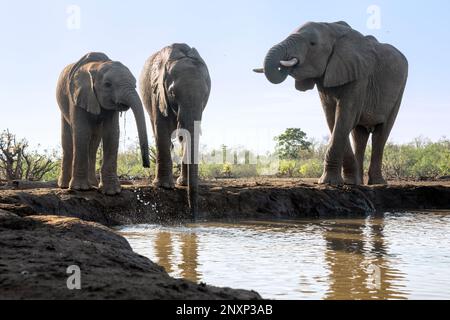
(175, 87)
(90, 94)
(361, 84)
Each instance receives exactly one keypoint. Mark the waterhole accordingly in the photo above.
(391, 256)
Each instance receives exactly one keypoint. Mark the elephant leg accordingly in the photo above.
(67, 156)
(164, 164)
(350, 166)
(360, 138)
(95, 142)
(183, 178)
(339, 143)
(330, 113)
(110, 184)
(81, 135)
(379, 139)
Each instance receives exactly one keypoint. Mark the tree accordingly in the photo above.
(18, 163)
(291, 143)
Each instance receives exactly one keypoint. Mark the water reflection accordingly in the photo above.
(358, 262)
(373, 258)
(164, 243)
(164, 250)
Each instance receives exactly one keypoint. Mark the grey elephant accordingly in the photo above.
(175, 87)
(90, 94)
(361, 84)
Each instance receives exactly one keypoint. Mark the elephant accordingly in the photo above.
(91, 93)
(175, 86)
(361, 84)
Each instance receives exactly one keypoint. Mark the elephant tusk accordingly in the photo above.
(289, 64)
(259, 70)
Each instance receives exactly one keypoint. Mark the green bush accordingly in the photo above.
(244, 171)
(420, 159)
(288, 168)
(311, 169)
(210, 171)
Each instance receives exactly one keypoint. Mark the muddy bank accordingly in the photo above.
(229, 199)
(37, 250)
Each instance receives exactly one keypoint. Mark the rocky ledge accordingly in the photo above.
(37, 251)
(228, 199)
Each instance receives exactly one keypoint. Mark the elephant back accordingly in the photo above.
(88, 58)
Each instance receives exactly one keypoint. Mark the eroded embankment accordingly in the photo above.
(36, 252)
(238, 199)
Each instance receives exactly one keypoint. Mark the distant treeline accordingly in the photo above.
(417, 160)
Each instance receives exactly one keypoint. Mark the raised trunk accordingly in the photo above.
(139, 115)
(274, 72)
(291, 51)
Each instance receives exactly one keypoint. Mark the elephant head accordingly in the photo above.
(97, 83)
(332, 53)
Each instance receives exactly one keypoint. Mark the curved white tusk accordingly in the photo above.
(260, 70)
(289, 64)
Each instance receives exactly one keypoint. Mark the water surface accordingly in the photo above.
(394, 256)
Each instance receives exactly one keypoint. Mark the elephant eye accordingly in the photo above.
(108, 84)
(312, 43)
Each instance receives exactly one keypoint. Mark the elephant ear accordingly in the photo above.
(83, 92)
(81, 81)
(158, 78)
(353, 58)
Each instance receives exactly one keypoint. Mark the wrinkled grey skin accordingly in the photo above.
(361, 84)
(175, 87)
(90, 94)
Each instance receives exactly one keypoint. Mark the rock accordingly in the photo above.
(26, 185)
(36, 252)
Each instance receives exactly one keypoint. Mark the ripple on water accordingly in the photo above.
(396, 256)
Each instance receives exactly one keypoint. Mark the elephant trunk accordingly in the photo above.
(278, 60)
(190, 158)
(273, 70)
(139, 115)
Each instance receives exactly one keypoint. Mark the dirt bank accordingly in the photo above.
(37, 250)
(229, 199)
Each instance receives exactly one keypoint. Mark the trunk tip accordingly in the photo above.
(146, 163)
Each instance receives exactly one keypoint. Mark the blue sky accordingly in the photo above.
(233, 37)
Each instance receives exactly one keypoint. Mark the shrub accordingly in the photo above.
(287, 168)
(311, 169)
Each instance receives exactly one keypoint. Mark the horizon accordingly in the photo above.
(233, 38)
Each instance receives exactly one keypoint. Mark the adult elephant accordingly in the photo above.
(90, 94)
(175, 87)
(361, 84)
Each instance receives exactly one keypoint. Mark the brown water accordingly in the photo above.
(396, 256)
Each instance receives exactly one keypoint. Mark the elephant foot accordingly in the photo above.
(79, 185)
(182, 182)
(110, 188)
(164, 184)
(377, 181)
(93, 182)
(331, 179)
(63, 183)
(352, 180)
